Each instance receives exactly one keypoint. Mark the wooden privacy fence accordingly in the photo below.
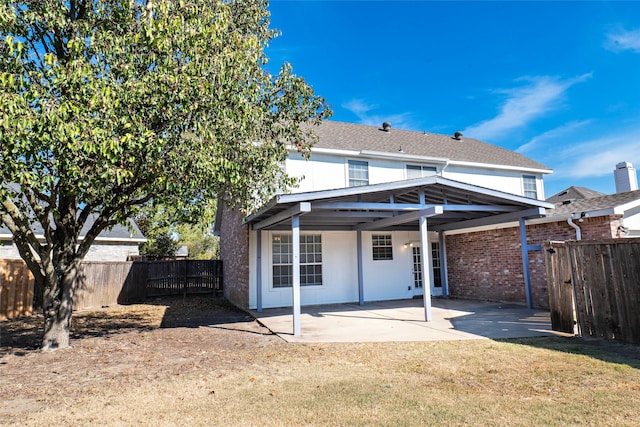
(16, 289)
(104, 284)
(601, 281)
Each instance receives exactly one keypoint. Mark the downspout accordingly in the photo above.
(574, 225)
(443, 168)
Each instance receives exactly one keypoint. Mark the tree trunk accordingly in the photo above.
(58, 307)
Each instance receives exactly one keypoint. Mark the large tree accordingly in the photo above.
(106, 105)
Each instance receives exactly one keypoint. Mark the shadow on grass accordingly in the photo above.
(601, 349)
(18, 336)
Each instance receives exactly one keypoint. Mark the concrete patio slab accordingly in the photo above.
(403, 320)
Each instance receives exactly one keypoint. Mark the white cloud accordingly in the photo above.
(525, 104)
(623, 40)
(364, 112)
(597, 157)
(550, 136)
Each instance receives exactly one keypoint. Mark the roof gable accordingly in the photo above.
(574, 193)
(348, 136)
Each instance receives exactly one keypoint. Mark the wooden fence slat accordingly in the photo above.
(16, 289)
(559, 287)
(606, 282)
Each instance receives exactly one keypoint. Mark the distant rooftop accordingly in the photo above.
(574, 193)
(590, 204)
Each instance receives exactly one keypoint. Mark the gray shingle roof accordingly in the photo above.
(119, 232)
(574, 193)
(591, 204)
(348, 136)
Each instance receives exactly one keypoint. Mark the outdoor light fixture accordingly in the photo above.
(411, 243)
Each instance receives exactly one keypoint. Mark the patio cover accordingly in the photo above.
(426, 204)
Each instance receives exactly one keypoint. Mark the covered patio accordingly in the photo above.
(397, 321)
(430, 204)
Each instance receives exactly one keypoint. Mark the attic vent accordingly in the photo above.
(458, 136)
(386, 126)
(568, 201)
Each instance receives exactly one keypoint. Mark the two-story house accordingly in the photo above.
(370, 218)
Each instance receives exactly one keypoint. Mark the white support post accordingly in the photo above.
(259, 271)
(295, 241)
(360, 268)
(425, 264)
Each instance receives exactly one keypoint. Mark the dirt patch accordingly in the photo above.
(166, 337)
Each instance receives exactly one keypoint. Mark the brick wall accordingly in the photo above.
(488, 264)
(234, 252)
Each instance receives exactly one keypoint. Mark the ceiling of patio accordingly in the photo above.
(448, 205)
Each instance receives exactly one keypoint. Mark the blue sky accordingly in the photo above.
(555, 81)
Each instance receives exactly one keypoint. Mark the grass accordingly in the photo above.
(220, 376)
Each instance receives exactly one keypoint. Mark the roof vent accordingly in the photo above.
(458, 136)
(386, 126)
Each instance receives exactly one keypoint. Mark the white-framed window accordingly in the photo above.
(310, 260)
(529, 184)
(382, 247)
(358, 173)
(419, 171)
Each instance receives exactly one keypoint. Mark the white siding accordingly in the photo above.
(632, 221)
(327, 172)
(383, 280)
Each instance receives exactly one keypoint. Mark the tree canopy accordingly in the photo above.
(106, 105)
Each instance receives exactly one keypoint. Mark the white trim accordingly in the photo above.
(500, 167)
(413, 157)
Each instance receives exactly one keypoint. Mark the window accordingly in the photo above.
(358, 173)
(435, 263)
(529, 185)
(418, 171)
(382, 247)
(310, 260)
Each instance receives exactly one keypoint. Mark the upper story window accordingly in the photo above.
(418, 171)
(530, 186)
(358, 173)
(382, 247)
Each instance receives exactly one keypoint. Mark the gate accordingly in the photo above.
(605, 278)
(184, 276)
(560, 287)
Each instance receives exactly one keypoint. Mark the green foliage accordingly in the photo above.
(108, 104)
(166, 229)
(200, 240)
(160, 246)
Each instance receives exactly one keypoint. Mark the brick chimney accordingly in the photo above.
(626, 178)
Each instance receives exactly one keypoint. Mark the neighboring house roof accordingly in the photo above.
(574, 193)
(404, 143)
(601, 205)
(118, 233)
